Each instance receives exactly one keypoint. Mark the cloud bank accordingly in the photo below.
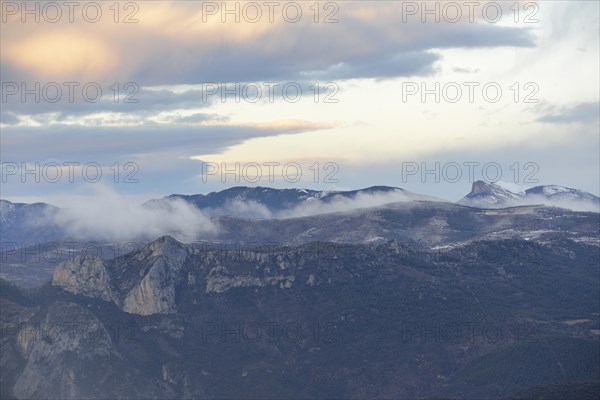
(110, 216)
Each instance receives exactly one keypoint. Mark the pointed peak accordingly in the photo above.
(167, 240)
(166, 246)
(480, 187)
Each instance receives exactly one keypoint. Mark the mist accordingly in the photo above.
(242, 208)
(108, 215)
(573, 205)
(341, 203)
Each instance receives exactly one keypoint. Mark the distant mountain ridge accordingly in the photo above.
(387, 301)
(41, 222)
(446, 227)
(273, 201)
(561, 193)
(11, 213)
(501, 195)
(21, 220)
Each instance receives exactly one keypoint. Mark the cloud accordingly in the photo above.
(315, 206)
(286, 126)
(196, 118)
(132, 99)
(461, 70)
(368, 41)
(107, 215)
(348, 203)
(402, 64)
(243, 208)
(167, 156)
(113, 143)
(8, 118)
(144, 101)
(584, 113)
(575, 205)
(47, 54)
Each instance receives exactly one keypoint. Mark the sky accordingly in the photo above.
(149, 98)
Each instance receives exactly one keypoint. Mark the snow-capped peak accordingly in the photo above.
(511, 187)
(550, 190)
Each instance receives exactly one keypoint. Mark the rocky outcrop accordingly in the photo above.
(155, 293)
(480, 187)
(68, 331)
(63, 351)
(152, 293)
(248, 323)
(85, 275)
(491, 195)
(503, 194)
(220, 280)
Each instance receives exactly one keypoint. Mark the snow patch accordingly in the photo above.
(511, 187)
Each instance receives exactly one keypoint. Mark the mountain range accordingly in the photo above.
(317, 320)
(500, 195)
(41, 222)
(30, 252)
(377, 293)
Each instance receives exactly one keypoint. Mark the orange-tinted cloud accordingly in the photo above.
(62, 53)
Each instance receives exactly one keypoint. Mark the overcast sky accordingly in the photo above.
(518, 94)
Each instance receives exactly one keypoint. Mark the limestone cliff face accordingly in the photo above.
(220, 280)
(145, 282)
(85, 275)
(64, 351)
(151, 293)
(68, 330)
(155, 293)
(480, 187)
